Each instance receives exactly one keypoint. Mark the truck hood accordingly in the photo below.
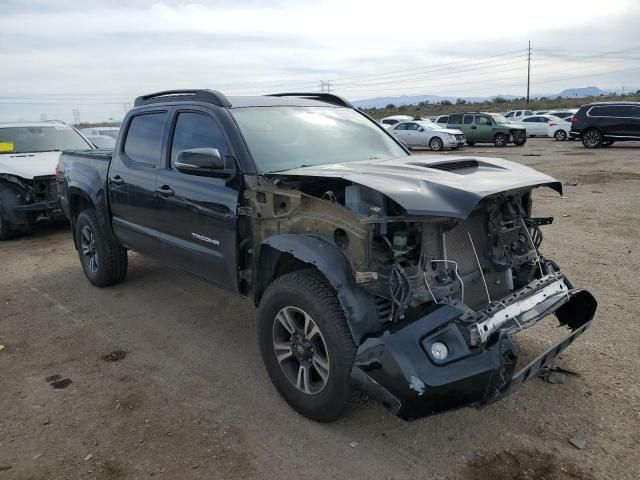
(434, 185)
(29, 165)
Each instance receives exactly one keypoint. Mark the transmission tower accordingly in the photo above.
(76, 116)
(325, 86)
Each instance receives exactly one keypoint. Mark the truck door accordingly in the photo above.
(483, 128)
(198, 212)
(468, 128)
(132, 182)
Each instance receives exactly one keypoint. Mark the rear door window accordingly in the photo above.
(455, 119)
(144, 138)
(468, 119)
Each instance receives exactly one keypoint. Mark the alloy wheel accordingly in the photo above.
(591, 139)
(89, 250)
(301, 350)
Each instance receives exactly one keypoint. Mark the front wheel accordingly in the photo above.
(500, 140)
(307, 347)
(470, 143)
(560, 135)
(592, 139)
(104, 263)
(436, 144)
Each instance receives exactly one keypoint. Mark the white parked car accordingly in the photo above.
(442, 120)
(545, 125)
(394, 120)
(104, 142)
(422, 133)
(516, 115)
(29, 154)
(106, 131)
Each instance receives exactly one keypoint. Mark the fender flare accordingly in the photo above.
(332, 263)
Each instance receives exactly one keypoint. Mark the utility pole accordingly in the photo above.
(528, 72)
(126, 107)
(76, 116)
(43, 117)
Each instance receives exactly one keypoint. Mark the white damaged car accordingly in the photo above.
(426, 134)
(29, 154)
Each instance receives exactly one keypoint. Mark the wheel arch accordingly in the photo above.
(281, 254)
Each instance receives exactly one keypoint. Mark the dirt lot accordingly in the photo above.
(161, 376)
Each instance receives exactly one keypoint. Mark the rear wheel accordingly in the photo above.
(436, 144)
(306, 346)
(104, 263)
(500, 140)
(470, 143)
(592, 139)
(7, 231)
(560, 135)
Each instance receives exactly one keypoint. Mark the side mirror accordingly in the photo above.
(203, 162)
(420, 129)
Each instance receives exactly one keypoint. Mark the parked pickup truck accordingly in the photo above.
(374, 271)
(29, 154)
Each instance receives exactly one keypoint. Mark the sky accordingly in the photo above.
(95, 57)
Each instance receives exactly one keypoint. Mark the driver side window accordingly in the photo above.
(196, 130)
(482, 120)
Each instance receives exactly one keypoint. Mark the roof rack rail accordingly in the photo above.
(197, 95)
(323, 97)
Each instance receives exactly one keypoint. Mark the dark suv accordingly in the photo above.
(600, 124)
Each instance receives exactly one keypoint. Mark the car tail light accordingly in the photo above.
(573, 120)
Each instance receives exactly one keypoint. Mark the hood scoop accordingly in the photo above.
(449, 166)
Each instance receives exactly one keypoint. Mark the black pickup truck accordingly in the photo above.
(374, 272)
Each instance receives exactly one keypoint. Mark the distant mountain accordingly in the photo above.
(583, 92)
(381, 102)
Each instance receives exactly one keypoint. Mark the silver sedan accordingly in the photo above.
(421, 133)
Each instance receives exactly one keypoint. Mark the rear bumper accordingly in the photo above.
(396, 368)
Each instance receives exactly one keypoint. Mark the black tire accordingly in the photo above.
(436, 144)
(592, 138)
(305, 291)
(109, 265)
(471, 144)
(7, 231)
(560, 135)
(500, 140)
(520, 140)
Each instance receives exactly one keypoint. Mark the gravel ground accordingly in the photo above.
(161, 376)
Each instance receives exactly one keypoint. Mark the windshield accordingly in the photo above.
(500, 118)
(282, 138)
(40, 139)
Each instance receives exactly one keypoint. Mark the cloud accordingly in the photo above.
(98, 55)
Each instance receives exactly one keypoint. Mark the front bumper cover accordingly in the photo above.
(396, 369)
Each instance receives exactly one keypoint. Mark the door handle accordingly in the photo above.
(117, 180)
(165, 191)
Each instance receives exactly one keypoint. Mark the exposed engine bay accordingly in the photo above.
(441, 271)
(406, 263)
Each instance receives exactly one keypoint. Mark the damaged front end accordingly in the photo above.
(433, 296)
(24, 202)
